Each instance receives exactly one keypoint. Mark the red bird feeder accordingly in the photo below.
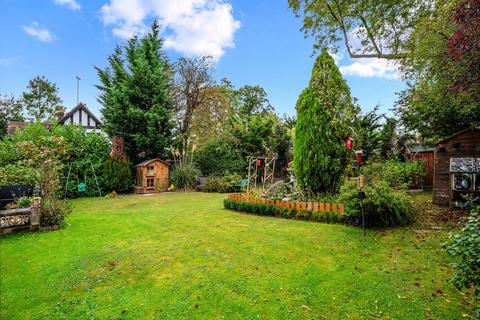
(259, 163)
(359, 157)
(349, 143)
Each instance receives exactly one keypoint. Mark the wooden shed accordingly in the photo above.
(423, 152)
(151, 176)
(457, 167)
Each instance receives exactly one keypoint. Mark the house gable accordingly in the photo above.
(81, 115)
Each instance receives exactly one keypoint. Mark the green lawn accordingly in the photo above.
(181, 255)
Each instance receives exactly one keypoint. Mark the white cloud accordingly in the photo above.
(38, 32)
(371, 67)
(191, 27)
(71, 4)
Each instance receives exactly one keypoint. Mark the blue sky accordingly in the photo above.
(254, 42)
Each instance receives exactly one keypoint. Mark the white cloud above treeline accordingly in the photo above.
(38, 32)
(70, 4)
(191, 27)
(370, 68)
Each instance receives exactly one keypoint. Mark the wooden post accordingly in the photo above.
(341, 208)
(315, 206)
(310, 206)
(322, 207)
(334, 207)
(327, 207)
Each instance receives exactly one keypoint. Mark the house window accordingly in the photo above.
(150, 183)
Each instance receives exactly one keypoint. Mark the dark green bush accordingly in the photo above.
(219, 157)
(383, 205)
(117, 175)
(466, 246)
(185, 176)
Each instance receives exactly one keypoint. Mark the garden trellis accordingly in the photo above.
(262, 168)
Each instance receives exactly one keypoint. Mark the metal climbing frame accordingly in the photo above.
(267, 174)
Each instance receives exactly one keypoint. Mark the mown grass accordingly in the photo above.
(181, 255)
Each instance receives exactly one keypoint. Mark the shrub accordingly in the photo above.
(466, 246)
(24, 202)
(185, 176)
(117, 175)
(219, 157)
(383, 205)
(397, 174)
(227, 183)
(213, 184)
(11, 174)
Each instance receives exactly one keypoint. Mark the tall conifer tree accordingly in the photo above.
(324, 113)
(135, 95)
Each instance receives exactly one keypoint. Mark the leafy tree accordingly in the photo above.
(379, 27)
(324, 113)
(464, 48)
(135, 95)
(11, 109)
(442, 95)
(192, 81)
(250, 100)
(41, 101)
(368, 132)
(210, 119)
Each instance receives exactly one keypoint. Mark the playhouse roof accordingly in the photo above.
(146, 162)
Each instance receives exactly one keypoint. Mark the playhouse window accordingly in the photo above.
(150, 170)
(150, 183)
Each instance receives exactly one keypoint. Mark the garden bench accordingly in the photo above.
(9, 194)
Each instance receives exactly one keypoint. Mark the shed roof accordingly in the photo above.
(419, 147)
(457, 134)
(145, 162)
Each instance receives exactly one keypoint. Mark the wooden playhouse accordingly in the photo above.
(151, 176)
